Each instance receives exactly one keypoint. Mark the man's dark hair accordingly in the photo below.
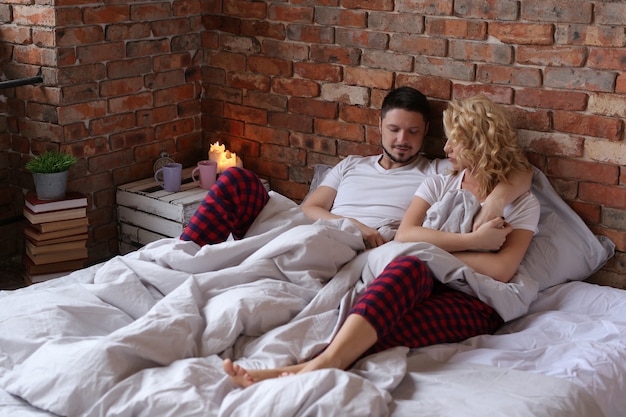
(406, 98)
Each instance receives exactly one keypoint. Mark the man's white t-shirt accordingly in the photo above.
(523, 213)
(376, 196)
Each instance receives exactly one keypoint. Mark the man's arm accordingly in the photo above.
(503, 194)
(318, 205)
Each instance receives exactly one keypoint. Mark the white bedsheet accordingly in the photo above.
(145, 334)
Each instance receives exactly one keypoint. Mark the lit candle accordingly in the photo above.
(223, 157)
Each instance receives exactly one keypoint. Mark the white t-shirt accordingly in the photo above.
(523, 213)
(374, 195)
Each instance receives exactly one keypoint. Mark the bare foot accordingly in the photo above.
(239, 376)
(244, 378)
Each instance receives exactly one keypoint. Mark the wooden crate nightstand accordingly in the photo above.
(146, 212)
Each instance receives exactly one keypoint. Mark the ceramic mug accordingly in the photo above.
(172, 176)
(208, 173)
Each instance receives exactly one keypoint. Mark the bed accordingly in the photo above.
(145, 334)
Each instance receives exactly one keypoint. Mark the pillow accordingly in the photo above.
(564, 249)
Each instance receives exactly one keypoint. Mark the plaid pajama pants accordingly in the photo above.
(409, 307)
(230, 206)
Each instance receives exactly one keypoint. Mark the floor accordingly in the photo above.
(11, 273)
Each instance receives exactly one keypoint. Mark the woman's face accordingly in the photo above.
(453, 150)
(402, 135)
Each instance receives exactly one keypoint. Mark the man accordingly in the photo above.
(373, 192)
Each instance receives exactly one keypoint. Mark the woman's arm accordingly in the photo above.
(501, 265)
(490, 236)
(503, 194)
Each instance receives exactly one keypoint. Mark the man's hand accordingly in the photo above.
(491, 209)
(371, 237)
(492, 235)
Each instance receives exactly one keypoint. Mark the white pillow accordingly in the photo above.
(564, 249)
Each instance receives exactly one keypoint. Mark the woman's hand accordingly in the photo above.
(490, 236)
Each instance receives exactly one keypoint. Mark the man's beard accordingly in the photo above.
(397, 160)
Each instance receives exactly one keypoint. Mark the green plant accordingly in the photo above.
(51, 161)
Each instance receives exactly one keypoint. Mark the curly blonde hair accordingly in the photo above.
(489, 143)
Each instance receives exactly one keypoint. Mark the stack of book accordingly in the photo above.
(56, 236)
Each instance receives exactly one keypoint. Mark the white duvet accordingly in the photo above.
(146, 334)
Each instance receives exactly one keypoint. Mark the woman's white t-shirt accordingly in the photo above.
(523, 213)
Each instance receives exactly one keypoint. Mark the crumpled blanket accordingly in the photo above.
(164, 317)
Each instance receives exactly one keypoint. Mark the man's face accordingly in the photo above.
(402, 137)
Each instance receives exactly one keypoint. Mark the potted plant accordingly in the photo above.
(50, 171)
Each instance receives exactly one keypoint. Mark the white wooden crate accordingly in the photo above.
(147, 213)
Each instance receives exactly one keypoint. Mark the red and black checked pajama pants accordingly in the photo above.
(230, 206)
(409, 307)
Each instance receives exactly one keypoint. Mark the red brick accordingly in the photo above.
(124, 31)
(433, 87)
(556, 11)
(361, 38)
(355, 114)
(267, 134)
(112, 124)
(416, 44)
(81, 111)
(549, 99)
(328, 16)
(497, 93)
(591, 125)
(283, 154)
(266, 29)
(426, 7)
(151, 11)
(311, 34)
(500, 10)
(245, 114)
(289, 13)
(369, 78)
(247, 9)
(579, 79)
(128, 68)
(174, 94)
(558, 56)
(605, 195)
(387, 60)
(130, 103)
(174, 129)
(268, 101)
(607, 59)
(339, 130)
(456, 28)
(284, 50)
(318, 71)
(478, 51)
(522, 33)
(147, 47)
(165, 79)
(103, 52)
(35, 15)
(603, 36)
(249, 81)
(310, 107)
(295, 87)
(297, 123)
(524, 77)
(335, 54)
(106, 14)
(584, 171)
(76, 36)
(313, 143)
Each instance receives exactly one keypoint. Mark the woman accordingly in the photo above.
(406, 305)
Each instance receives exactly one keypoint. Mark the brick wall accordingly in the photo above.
(289, 85)
(122, 84)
